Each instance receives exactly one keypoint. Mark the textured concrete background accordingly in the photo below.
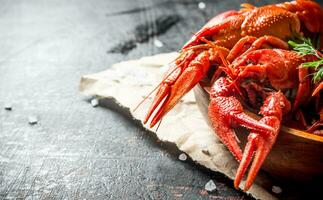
(76, 151)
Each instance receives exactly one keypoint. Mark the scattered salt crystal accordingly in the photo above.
(32, 120)
(201, 5)
(95, 102)
(210, 186)
(276, 189)
(182, 157)
(8, 107)
(158, 43)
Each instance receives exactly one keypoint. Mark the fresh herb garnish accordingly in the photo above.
(307, 48)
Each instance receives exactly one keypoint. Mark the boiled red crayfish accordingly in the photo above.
(251, 60)
(259, 74)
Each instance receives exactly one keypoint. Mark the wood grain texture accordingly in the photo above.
(76, 151)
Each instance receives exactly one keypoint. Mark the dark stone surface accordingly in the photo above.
(76, 151)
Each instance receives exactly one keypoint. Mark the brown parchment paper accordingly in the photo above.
(130, 81)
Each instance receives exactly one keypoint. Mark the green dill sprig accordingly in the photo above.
(307, 48)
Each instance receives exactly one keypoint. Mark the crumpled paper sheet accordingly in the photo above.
(130, 81)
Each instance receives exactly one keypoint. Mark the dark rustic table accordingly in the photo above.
(76, 151)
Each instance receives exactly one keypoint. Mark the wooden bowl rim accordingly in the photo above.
(288, 130)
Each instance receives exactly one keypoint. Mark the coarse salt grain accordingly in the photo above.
(8, 107)
(32, 120)
(201, 5)
(210, 186)
(276, 189)
(182, 157)
(158, 43)
(95, 102)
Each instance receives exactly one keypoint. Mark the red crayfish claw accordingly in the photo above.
(226, 112)
(259, 144)
(181, 77)
(184, 73)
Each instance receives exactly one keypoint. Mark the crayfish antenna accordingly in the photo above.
(146, 97)
(159, 124)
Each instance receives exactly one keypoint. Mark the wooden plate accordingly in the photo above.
(296, 155)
